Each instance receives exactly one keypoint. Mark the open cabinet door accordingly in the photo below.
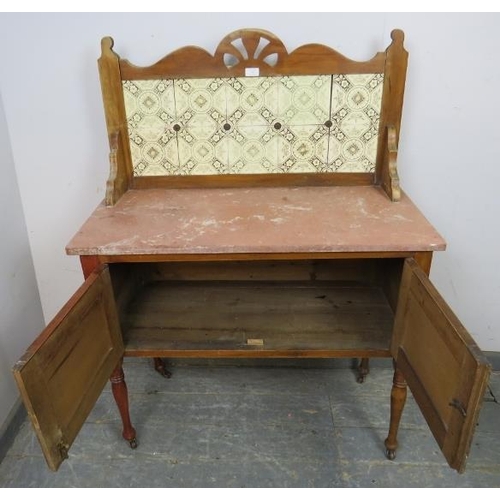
(63, 372)
(444, 368)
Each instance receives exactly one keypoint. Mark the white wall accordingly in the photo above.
(20, 309)
(449, 146)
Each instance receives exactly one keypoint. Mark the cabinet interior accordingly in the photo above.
(313, 308)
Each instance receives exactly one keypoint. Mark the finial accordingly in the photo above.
(398, 36)
(107, 43)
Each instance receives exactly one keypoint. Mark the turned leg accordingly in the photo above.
(398, 399)
(363, 369)
(161, 368)
(120, 393)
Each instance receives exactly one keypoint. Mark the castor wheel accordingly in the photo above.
(363, 370)
(163, 372)
(161, 368)
(390, 454)
(133, 443)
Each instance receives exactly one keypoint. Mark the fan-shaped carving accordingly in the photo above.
(252, 47)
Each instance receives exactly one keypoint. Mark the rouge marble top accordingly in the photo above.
(256, 220)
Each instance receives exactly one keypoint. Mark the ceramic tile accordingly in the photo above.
(202, 151)
(303, 148)
(252, 99)
(320, 123)
(201, 111)
(198, 97)
(251, 155)
(150, 110)
(154, 157)
(251, 108)
(304, 100)
(351, 155)
(355, 115)
(149, 98)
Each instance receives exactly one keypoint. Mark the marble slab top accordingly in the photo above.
(256, 220)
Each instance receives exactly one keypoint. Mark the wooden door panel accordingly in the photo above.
(64, 371)
(444, 368)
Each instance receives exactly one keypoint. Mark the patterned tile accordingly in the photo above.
(252, 107)
(149, 98)
(252, 101)
(251, 150)
(154, 157)
(200, 117)
(150, 109)
(200, 153)
(319, 123)
(304, 148)
(200, 101)
(304, 100)
(355, 114)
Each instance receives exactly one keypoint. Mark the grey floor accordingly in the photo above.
(226, 426)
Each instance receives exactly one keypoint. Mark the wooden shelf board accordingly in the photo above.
(258, 319)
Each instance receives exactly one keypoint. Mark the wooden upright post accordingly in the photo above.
(390, 116)
(121, 172)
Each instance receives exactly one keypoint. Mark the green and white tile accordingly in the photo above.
(203, 98)
(249, 125)
(303, 148)
(304, 100)
(355, 115)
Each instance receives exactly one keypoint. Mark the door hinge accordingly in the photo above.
(458, 406)
(63, 450)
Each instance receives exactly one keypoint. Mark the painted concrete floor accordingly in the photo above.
(223, 426)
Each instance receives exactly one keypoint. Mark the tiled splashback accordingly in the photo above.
(253, 125)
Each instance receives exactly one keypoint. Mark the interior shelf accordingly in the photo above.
(258, 319)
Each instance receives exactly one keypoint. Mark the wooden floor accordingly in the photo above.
(272, 425)
(233, 319)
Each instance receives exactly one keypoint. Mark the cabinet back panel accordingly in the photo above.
(355, 270)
